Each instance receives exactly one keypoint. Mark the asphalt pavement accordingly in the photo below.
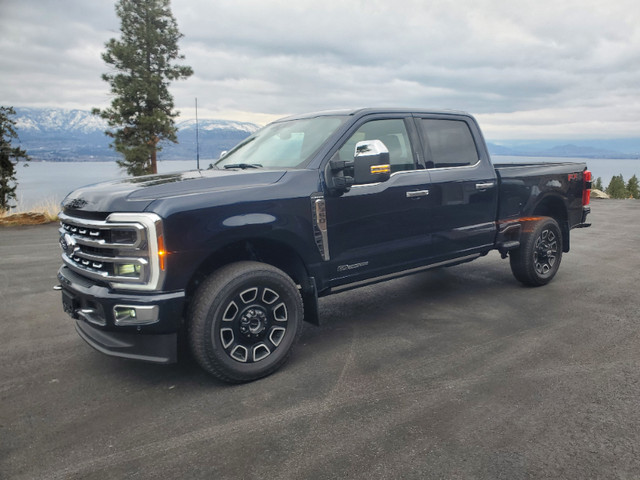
(458, 373)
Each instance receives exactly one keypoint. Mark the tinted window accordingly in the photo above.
(392, 133)
(450, 143)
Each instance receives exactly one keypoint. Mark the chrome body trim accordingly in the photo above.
(101, 258)
(321, 232)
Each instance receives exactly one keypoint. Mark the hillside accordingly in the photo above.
(77, 135)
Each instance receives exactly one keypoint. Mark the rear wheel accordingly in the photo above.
(244, 320)
(537, 260)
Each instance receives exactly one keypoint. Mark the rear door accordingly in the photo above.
(463, 194)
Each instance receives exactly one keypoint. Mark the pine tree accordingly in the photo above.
(142, 112)
(633, 189)
(9, 158)
(617, 188)
(598, 184)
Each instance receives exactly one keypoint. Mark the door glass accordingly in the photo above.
(392, 133)
(450, 143)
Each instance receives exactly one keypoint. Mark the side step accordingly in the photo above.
(504, 247)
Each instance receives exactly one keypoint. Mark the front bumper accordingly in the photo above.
(149, 348)
(92, 306)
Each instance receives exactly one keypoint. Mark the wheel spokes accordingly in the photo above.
(254, 323)
(240, 353)
(277, 334)
(280, 312)
(226, 337)
(269, 296)
(230, 313)
(249, 295)
(260, 352)
(545, 252)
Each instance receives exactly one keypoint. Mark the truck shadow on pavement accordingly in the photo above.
(433, 300)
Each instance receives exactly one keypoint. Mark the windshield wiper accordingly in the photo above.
(243, 165)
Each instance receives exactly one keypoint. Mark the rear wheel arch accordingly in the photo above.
(555, 207)
(537, 260)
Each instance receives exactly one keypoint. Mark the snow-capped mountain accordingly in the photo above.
(41, 120)
(55, 134)
(222, 125)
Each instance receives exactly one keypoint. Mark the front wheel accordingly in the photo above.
(244, 320)
(537, 260)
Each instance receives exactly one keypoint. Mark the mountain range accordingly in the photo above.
(53, 134)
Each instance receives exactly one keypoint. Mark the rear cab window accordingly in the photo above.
(448, 143)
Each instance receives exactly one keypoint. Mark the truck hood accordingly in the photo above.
(135, 194)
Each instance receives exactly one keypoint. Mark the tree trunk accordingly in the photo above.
(154, 164)
(154, 156)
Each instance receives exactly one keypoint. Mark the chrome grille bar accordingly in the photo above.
(122, 250)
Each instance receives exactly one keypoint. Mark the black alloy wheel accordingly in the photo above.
(538, 258)
(244, 320)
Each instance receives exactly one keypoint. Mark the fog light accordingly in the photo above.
(127, 270)
(135, 315)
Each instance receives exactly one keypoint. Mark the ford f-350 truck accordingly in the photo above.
(232, 259)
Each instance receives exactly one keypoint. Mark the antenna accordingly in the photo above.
(197, 139)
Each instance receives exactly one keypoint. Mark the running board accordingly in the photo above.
(391, 276)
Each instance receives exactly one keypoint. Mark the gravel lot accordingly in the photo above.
(455, 373)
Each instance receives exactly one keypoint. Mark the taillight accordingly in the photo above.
(586, 192)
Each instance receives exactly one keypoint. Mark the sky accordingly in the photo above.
(526, 69)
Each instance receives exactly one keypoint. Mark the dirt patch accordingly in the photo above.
(28, 218)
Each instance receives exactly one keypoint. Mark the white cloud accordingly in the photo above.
(528, 69)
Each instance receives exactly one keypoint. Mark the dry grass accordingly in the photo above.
(45, 212)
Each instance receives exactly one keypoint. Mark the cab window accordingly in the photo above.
(449, 143)
(392, 133)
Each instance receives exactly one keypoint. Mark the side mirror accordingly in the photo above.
(371, 162)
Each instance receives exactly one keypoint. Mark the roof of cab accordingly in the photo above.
(358, 112)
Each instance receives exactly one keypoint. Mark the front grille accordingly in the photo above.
(122, 250)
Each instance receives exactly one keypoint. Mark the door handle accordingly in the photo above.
(482, 186)
(417, 193)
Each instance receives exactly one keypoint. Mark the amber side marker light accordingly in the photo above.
(162, 253)
(527, 223)
(519, 220)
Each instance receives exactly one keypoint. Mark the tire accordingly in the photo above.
(244, 320)
(538, 258)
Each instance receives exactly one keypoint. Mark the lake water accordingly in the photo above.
(49, 182)
(43, 182)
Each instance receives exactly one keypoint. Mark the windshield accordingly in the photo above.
(289, 144)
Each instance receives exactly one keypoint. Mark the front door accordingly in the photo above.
(374, 229)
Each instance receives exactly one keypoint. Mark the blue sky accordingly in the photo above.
(526, 69)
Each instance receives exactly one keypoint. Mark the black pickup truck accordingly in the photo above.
(232, 259)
